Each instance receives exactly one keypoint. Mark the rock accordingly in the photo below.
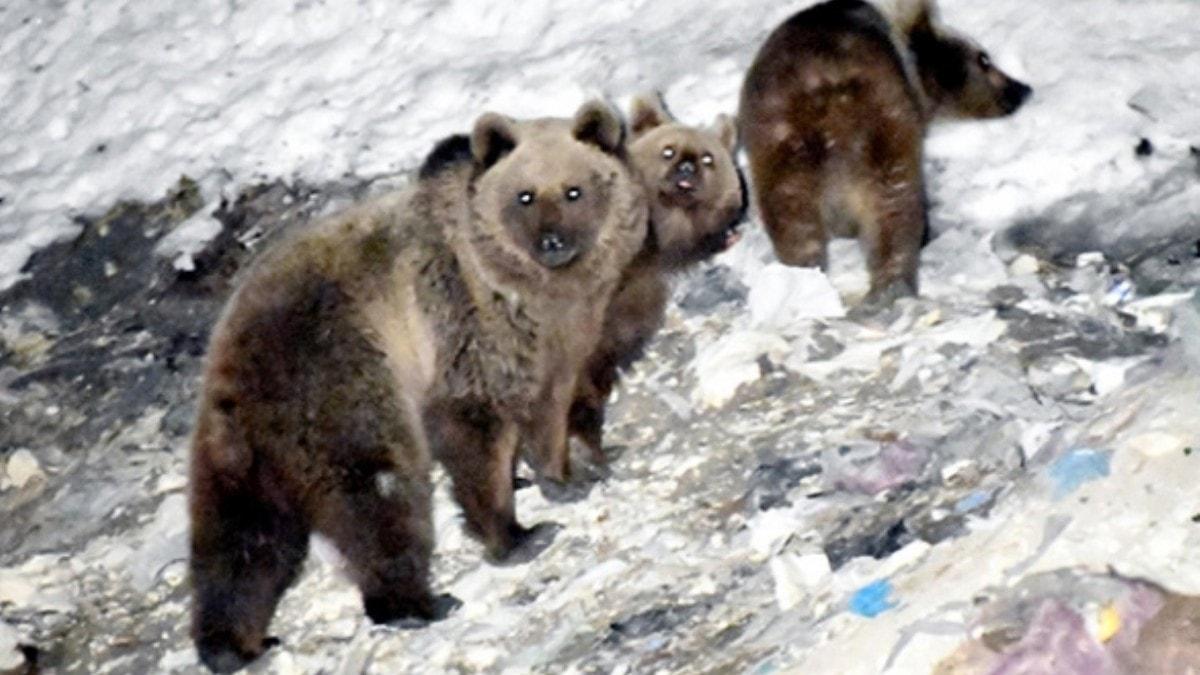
(717, 285)
(1024, 265)
(1059, 378)
(16, 589)
(164, 543)
(23, 469)
(960, 472)
(170, 482)
(1006, 297)
(11, 657)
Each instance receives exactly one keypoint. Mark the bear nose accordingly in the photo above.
(554, 250)
(551, 242)
(1016, 94)
(685, 175)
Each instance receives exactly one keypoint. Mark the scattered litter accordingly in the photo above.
(973, 501)
(780, 296)
(1078, 467)
(731, 362)
(871, 468)
(796, 575)
(1160, 444)
(873, 599)
(1121, 291)
(771, 529)
(1109, 623)
(1057, 641)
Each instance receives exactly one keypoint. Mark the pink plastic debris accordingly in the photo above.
(871, 470)
(1057, 642)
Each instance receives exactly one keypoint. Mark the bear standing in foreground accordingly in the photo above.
(447, 322)
(833, 114)
(697, 201)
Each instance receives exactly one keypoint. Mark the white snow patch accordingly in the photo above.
(106, 101)
(188, 239)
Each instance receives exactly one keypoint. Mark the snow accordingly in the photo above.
(187, 239)
(115, 100)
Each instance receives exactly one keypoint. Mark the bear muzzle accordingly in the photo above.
(555, 249)
(1016, 93)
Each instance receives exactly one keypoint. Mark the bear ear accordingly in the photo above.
(494, 137)
(915, 16)
(598, 124)
(646, 113)
(726, 129)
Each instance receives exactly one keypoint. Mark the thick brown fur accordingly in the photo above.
(833, 114)
(697, 201)
(447, 322)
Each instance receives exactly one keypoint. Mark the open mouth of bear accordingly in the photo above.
(733, 234)
(554, 251)
(681, 194)
(719, 241)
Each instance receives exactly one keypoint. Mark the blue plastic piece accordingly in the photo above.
(1077, 467)
(873, 599)
(973, 501)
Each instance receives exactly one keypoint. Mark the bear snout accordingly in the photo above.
(555, 249)
(1015, 95)
(686, 177)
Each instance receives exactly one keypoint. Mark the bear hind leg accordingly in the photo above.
(791, 212)
(891, 235)
(382, 524)
(245, 553)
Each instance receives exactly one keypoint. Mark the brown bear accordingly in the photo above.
(444, 322)
(833, 115)
(698, 199)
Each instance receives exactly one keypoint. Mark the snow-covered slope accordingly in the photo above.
(948, 482)
(117, 99)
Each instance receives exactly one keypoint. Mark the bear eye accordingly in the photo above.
(525, 198)
(574, 193)
(668, 152)
(985, 61)
(707, 159)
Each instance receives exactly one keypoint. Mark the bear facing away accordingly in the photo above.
(833, 114)
(698, 199)
(444, 322)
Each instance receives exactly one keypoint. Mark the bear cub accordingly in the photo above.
(833, 113)
(698, 200)
(444, 322)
